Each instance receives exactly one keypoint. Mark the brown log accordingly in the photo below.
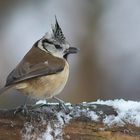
(52, 122)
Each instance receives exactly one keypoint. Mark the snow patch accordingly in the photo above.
(93, 116)
(50, 103)
(128, 112)
(48, 134)
(55, 129)
(41, 102)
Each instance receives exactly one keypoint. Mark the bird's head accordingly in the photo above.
(56, 44)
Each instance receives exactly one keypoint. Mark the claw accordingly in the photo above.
(62, 104)
(23, 109)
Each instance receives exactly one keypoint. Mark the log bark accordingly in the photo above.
(83, 122)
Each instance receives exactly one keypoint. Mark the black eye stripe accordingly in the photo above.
(57, 46)
(46, 41)
(43, 43)
(45, 48)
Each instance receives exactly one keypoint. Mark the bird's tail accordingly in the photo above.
(4, 89)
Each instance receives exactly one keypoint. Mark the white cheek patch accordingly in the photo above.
(66, 46)
(51, 50)
(58, 54)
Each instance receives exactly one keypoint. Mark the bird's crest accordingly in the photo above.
(57, 32)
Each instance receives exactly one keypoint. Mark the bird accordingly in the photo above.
(44, 70)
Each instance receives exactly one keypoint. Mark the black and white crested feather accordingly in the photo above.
(57, 32)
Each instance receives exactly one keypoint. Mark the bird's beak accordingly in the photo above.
(71, 50)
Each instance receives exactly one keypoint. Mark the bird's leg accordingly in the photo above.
(59, 100)
(62, 103)
(23, 108)
(46, 101)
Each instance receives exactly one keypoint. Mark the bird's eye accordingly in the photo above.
(58, 46)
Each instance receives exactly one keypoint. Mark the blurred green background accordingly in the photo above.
(106, 31)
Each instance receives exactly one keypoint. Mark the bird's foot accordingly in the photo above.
(22, 109)
(62, 104)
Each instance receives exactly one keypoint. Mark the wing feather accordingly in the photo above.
(35, 63)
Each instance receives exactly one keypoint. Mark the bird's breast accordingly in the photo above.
(46, 86)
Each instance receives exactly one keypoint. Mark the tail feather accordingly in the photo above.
(4, 89)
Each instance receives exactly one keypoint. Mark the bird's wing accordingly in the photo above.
(35, 63)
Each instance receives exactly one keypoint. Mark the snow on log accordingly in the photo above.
(100, 120)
